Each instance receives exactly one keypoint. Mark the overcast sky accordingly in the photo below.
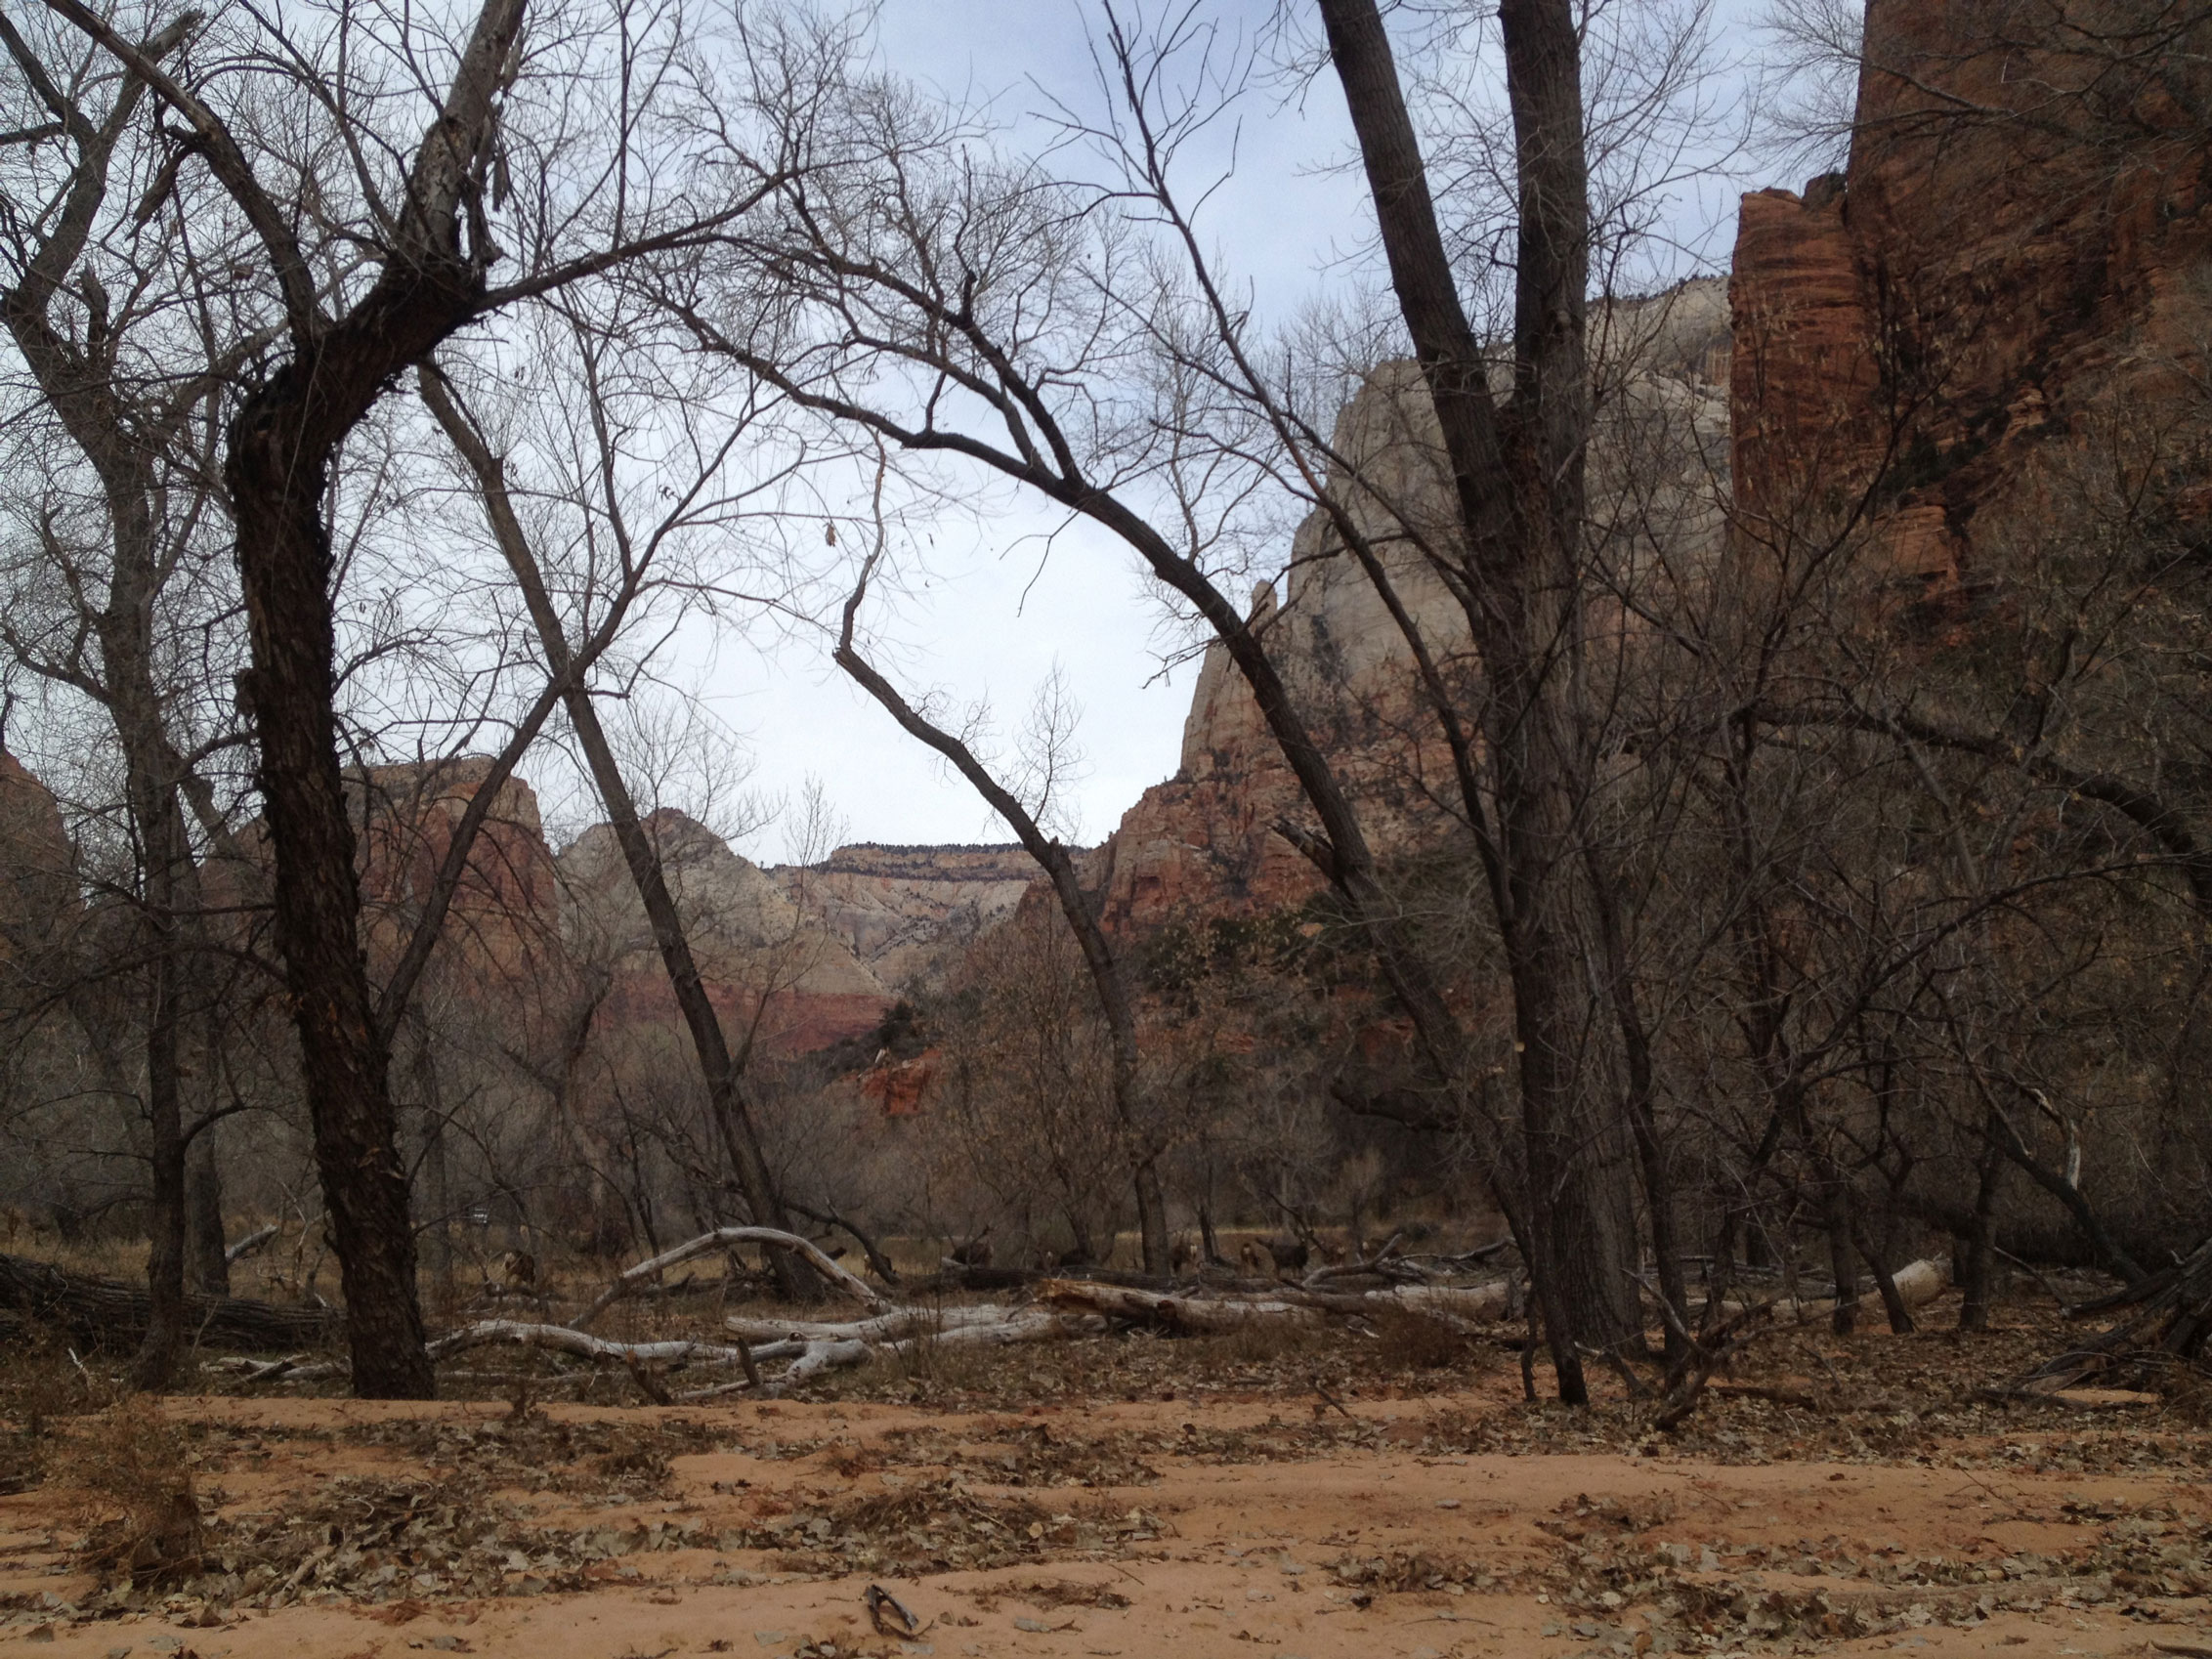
(992, 625)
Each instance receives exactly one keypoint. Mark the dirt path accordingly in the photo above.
(1154, 1529)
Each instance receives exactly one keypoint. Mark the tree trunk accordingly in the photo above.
(1978, 1245)
(278, 474)
(1518, 474)
(1843, 1266)
(207, 1261)
(1892, 1304)
(156, 1363)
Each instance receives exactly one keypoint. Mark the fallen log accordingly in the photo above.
(98, 1312)
(252, 1242)
(559, 1338)
(1191, 1315)
(722, 1238)
(2172, 1323)
(1918, 1283)
(1018, 1325)
(1181, 1314)
(891, 1327)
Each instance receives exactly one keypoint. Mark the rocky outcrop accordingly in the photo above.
(904, 912)
(2014, 260)
(783, 981)
(504, 921)
(1204, 843)
(37, 870)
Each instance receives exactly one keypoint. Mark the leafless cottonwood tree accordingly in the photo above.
(994, 287)
(126, 344)
(1080, 908)
(634, 556)
(404, 219)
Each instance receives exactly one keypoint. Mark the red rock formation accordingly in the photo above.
(781, 980)
(2017, 252)
(1204, 843)
(37, 873)
(504, 923)
(899, 1086)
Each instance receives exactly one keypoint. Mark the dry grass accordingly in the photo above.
(40, 1382)
(1407, 1340)
(141, 1519)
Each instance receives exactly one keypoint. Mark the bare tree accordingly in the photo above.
(1076, 907)
(414, 215)
(636, 554)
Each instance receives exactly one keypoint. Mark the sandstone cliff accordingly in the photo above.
(904, 912)
(2014, 265)
(782, 980)
(37, 867)
(504, 921)
(1204, 842)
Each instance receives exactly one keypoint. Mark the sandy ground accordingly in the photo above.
(1247, 1541)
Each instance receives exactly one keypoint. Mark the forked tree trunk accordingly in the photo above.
(1518, 473)
(278, 468)
(279, 447)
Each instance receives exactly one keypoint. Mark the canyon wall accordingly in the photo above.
(904, 913)
(783, 982)
(1204, 842)
(2010, 273)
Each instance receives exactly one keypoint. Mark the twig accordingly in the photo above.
(1329, 1399)
(878, 1601)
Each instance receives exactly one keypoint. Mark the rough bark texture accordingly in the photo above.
(280, 445)
(207, 1262)
(1518, 472)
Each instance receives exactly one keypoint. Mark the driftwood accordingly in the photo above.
(1918, 1284)
(1196, 1314)
(631, 1279)
(558, 1339)
(251, 1243)
(2173, 1324)
(1064, 1306)
(100, 1312)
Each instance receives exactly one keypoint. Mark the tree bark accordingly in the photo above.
(105, 1313)
(1978, 1244)
(1518, 474)
(280, 445)
(80, 383)
(207, 1259)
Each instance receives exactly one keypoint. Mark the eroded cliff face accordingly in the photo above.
(38, 868)
(1204, 843)
(504, 921)
(783, 981)
(904, 913)
(2011, 272)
